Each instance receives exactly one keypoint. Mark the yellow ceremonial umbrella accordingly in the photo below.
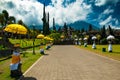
(47, 38)
(62, 37)
(40, 36)
(16, 28)
(50, 39)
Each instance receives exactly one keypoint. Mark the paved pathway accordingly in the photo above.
(73, 63)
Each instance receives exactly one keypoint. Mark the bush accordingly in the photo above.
(116, 41)
(3, 47)
(103, 41)
(55, 36)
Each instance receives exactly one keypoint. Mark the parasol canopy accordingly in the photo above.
(85, 38)
(94, 37)
(16, 28)
(76, 39)
(80, 39)
(47, 38)
(40, 36)
(110, 37)
(51, 39)
(62, 37)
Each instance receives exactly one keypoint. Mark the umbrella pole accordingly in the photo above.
(33, 39)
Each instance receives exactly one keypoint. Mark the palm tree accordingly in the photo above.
(11, 20)
(6, 16)
(20, 22)
(2, 19)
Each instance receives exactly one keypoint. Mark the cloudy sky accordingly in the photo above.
(96, 12)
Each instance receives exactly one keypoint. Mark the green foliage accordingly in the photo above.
(110, 30)
(2, 47)
(25, 42)
(6, 16)
(2, 21)
(103, 32)
(54, 28)
(116, 41)
(98, 36)
(103, 41)
(90, 27)
(55, 36)
(11, 20)
(53, 31)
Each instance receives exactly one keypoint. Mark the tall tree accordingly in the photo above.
(90, 28)
(20, 22)
(44, 20)
(54, 28)
(6, 16)
(71, 29)
(83, 30)
(65, 29)
(59, 29)
(110, 30)
(47, 25)
(2, 21)
(103, 32)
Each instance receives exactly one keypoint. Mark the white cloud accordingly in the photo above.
(103, 2)
(31, 11)
(105, 13)
(110, 21)
(116, 22)
(106, 21)
(108, 11)
(28, 11)
(100, 2)
(71, 13)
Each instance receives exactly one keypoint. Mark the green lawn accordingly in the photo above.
(114, 55)
(27, 61)
(25, 42)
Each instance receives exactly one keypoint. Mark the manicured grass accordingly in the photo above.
(114, 55)
(25, 42)
(27, 61)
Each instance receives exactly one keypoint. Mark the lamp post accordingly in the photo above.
(110, 38)
(94, 45)
(33, 38)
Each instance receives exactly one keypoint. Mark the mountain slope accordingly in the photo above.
(78, 25)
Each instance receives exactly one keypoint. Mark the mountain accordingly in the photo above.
(78, 25)
(39, 27)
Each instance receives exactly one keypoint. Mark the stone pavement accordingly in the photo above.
(67, 62)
